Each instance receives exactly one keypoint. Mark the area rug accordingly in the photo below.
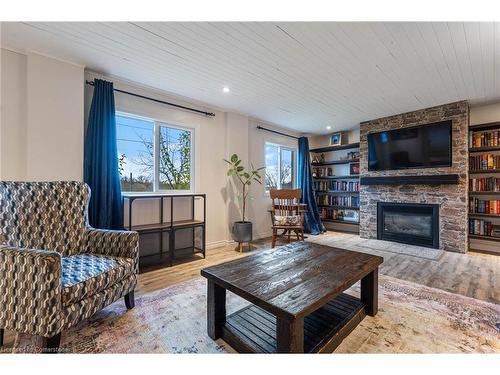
(412, 319)
(352, 242)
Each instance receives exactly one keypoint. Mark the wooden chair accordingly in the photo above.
(287, 214)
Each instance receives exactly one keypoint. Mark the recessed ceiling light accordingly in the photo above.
(225, 89)
(328, 127)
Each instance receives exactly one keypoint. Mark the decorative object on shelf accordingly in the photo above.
(353, 155)
(354, 168)
(336, 139)
(242, 230)
(322, 171)
(315, 159)
(322, 158)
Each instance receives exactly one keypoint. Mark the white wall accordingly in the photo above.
(210, 146)
(13, 122)
(216, 138)
(42, 118)
(260, 202)
(45, 106)
(236, 143)
(484, 114)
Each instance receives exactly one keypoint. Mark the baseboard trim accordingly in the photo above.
(222, 243)
(216, 244)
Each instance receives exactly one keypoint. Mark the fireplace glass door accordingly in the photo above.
(410, 223)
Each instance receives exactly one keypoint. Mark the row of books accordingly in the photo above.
(482, 227)
(336, 185)
(484, 184)
(486, 138)
(322, 171)
(484, 162)
(332, 200)
(482, 206)
(348, 216)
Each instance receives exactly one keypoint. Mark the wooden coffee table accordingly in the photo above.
(297, 300)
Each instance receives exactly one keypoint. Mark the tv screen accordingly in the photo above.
(424, 146)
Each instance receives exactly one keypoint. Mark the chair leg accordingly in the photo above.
(274, 237)
(298, 234)
(52, 343)
(289, 233)
(129, 300)
(1, 336)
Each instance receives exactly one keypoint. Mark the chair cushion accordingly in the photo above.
(287, 220)
(86, 274)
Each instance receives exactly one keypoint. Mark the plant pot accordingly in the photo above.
(242, 231)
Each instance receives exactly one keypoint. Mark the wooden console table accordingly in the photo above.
(296, 295)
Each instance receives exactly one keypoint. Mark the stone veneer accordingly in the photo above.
(452, 199)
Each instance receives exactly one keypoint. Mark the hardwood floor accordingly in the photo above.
(473, 274)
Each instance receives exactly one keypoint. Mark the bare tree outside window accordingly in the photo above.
(137, 169)
(280, 166)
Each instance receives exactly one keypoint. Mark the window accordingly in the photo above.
(280, 167)
(153, 156)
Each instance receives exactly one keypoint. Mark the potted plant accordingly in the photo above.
(242, 230)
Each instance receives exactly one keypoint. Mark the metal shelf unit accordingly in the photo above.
(163, 258)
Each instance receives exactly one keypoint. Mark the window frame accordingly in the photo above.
(294, 163)
(157, 125)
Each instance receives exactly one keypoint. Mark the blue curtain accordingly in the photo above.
(101, 160)
(312, 221)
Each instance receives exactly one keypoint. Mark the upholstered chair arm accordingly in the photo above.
(30, 291)
(118, 243)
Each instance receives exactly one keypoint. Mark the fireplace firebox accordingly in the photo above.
(410, 223)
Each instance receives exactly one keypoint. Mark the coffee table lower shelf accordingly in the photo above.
(253, 330)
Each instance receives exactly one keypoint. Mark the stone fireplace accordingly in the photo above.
(448, 200)
(410, 223)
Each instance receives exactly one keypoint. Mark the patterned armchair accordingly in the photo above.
(55, 270)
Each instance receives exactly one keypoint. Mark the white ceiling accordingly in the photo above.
(303, 76)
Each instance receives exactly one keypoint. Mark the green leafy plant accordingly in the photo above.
(244, 177)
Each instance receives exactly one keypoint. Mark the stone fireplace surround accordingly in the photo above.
(451, 198)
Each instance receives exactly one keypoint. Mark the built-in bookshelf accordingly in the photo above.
(484, 182)
(336, 184)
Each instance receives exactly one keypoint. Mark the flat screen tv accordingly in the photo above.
(423, 146)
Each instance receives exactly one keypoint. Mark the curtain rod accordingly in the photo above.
(274, 131)
(211, 114)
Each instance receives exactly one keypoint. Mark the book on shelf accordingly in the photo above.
(322, 171)
(480, 227)
(340, 186)
(484, 162)
(485, 138)
(349, 216)
(333, 200)
(484, 184)
(484, 206)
